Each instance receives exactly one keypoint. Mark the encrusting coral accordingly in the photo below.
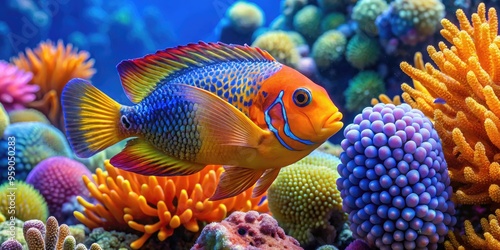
(305, 201)
(461, 95)
(52, 67)
(249, 230)
(149, 204)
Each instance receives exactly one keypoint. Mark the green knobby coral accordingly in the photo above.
(362, 88)
(332, 21)
(308, 22)
(110, 240)
(305, 201)
(26, 203)
(6, 231)
(365, 12)
(362, 51)
(280, 45)
(329, 49)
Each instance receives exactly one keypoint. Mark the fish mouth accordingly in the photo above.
(332, 124)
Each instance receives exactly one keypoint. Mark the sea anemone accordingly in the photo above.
(280, 45)
(52, 67)
(34, 142)
(329, 49)
(15, 92)
(304, 199)
(58, 179)
(26, 203)
(362, 51)
(150, 204)
(362, 88)
(394, 179)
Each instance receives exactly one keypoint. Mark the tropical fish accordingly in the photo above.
(200, 104)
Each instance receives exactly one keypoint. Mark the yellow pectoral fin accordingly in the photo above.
(234, 181)
(142, 158)
(265, 181)
(221, 122)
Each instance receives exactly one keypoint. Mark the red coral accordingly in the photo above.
(249, 230)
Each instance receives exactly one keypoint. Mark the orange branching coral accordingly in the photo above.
(149, 204)
(461, 95)
(383, 98)
(471, 240)
(52, 67)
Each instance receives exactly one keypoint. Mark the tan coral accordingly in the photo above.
(490, 238)
(467, 79)
(150, 205)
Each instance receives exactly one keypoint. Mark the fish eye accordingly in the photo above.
(302, 97)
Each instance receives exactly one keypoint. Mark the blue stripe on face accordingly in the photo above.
(288, 132)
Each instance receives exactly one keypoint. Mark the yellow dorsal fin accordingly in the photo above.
(141, 76)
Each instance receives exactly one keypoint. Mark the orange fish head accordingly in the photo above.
(299, 112)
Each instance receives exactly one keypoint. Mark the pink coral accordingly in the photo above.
(59, 179)
(15, 91)
(249, 230)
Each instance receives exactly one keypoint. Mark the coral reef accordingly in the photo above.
(471, 240)
(52, 67)
(461, 96)
(249, 230)
(365, 12)
(15, 92)
(58, 179)
(27, 115)
(149, 204)
(411, 21)
(394, 179)
(307, 22)
(280, 45)
(362, 87)
(362, 51)
(329, 49)
(305, 201)
(26, 204)
(34, 142)
(330, 148)
(110, 239)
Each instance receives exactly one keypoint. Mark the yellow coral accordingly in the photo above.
(304, 199)
(471, 240)
(468, 121)
(280, 45)
(383, 98)
(150, 204)
(26, 203)
(52, 67)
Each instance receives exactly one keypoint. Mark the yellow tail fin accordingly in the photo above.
(91, 118)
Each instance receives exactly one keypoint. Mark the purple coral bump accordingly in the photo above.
(394, 179)
(59, 179)
(15, 90)
(11, 244)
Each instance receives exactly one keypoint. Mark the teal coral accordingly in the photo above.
(329, 49)
(332, 21)
(110, 239)
(28, 202)
(362, 88)
(304, 199)
(308, 22)
(362, 51)
(34, 142)
(366, 11)
(280, 45)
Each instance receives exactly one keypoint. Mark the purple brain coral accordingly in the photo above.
(394, 179)
(15, 90)
(59, 179)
